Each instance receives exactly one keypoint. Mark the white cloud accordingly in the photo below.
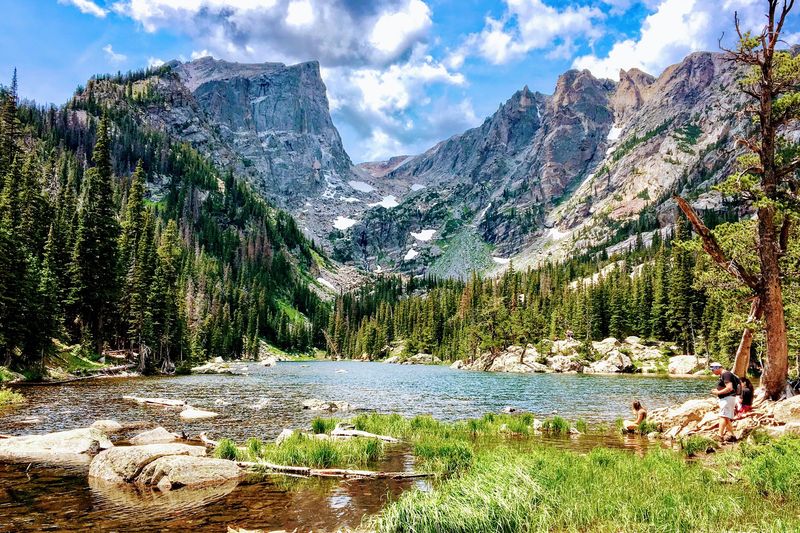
(113, 56)
(533, 25)
(154, 62)
(675, 29)
(394, 31)
(197, 54)
(299, 13)
(87, 7)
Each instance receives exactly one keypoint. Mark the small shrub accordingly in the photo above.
(254, 448)
(582, 426)
(226, 449)
(646, 427)
(10, 397)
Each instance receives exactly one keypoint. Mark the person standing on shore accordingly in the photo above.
(726, 391)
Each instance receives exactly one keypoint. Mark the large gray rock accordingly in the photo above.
(158, 435)
(685, 364)
(786, 411)
(73, 446)
(564, 364)
(173, 471)
(614, 363)
(123, 464)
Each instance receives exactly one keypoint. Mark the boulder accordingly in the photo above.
(192, 413)
(122, 464)
(158, 435)
(314, 404)
(457, 365)
(565, 347)
(685, 364)
(393, 359)
(792, 428)
(632, 339)
(284, 436)
(214, 367)
(173, 471)
(73, 446)
(165, 402)
(788, 410)
(109, 427)
(515, 360)
(422, 359)
(614, 363)
(268, 361)
(562, 363)
(681, 415)
(605, 346)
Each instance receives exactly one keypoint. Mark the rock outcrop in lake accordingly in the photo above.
(609, 356)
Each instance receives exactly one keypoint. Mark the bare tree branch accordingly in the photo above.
(712, 247)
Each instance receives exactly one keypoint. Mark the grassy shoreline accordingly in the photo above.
(491, 475)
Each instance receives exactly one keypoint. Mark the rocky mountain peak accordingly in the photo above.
(632, 91)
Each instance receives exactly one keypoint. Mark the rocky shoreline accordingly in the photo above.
(609, 356)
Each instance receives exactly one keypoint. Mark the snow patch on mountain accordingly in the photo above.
(361, 186)
(388, 202)
(424, 235)
(343, 223)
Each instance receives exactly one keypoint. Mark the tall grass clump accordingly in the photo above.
(303, 450)
(445, 457)
(10, 397)
(556, 425)
(226, 449)
(646, 427)
(548, 489)
(323, 425)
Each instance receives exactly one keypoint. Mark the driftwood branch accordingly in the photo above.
(338, 432)
(712, 247)
(341, 473)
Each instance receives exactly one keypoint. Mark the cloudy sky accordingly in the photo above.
(401, 74)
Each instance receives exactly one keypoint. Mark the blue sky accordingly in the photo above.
(401, 74)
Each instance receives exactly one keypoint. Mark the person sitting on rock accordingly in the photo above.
(726, 392)
(746, 399)
(639, 412)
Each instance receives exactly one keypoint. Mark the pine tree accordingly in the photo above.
(94, 259)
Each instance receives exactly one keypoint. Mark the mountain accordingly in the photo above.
(593, 163)
(269, 123)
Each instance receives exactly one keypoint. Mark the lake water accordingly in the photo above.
(261, 404)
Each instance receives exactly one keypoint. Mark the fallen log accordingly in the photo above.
(341, 473)
(358, 433)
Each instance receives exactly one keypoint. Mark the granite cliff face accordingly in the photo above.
(268, 122)
(549, 174)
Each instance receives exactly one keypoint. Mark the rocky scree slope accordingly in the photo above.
(547, 175)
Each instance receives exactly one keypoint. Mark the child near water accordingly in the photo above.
(639, 412)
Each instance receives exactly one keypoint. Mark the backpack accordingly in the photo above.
(737, 385)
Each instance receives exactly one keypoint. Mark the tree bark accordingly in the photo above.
(777, 367)
(743, 352)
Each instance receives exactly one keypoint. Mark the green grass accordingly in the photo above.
(323, 425)
(646, 427)
(548, 489)
(444, 456)
(226, 449)
(303, 450)
(556, 425)
(770, 467)
(7, 375)
(10, 397)
(697, 444)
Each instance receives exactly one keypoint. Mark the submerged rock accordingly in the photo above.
(108, 427)
(166, 402)
(193, 413)
(61, 447)
(314, 404)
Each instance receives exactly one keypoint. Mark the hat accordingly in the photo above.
(715, 365)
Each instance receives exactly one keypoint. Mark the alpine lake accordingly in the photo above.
(261, 404)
